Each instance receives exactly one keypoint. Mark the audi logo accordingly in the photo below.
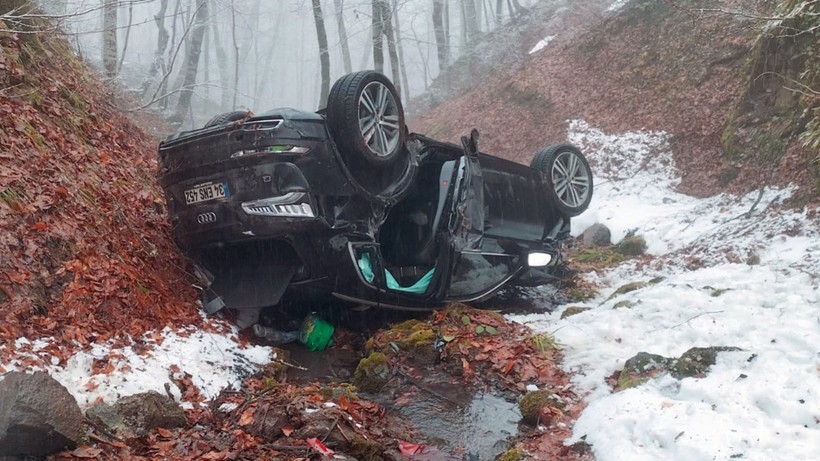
(206, 218)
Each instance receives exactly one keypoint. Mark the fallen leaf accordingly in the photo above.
(410, 449)
(287, 431)
(87, 452)
(247, 416)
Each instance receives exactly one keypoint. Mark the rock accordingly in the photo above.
(634, 245)
(629, 287)
(573, 310)
(753, 259)
(533, 404)
(513, 454)
(372, 373)
(641, 368)
(38, 416)
(139, 414)
(697, 360)
(597, 235)
(625, 304)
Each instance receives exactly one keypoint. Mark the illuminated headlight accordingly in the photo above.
(286, 206)
(279, 149)
(538, 259)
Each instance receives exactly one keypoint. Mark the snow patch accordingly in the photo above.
(542, 44)
(758, 403)
(617, 5)
(103, 372)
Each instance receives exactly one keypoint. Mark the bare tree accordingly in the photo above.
(470, 20)
(402, 64)
(324, 54)
(221, 63)
(127, 35)
(158, 65)
(378, 31)
(192, 62)
(387, 28)
(441, 38)
(109, 49)
(340, 25)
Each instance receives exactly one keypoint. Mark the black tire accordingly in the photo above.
(348, 109)
(227, 117)
(568, 175)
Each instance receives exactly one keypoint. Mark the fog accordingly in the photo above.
(261, 54)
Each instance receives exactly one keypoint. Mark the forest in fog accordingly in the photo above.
(189, 59)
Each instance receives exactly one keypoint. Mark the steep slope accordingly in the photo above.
(85, 252)
(648, 65)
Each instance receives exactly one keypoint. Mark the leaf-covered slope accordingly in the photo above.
(85, 252)
(650, 65)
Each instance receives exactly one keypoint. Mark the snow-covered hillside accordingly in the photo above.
(736, 271)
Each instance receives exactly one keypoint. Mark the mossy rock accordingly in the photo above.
(372, 373)
(414, 339)
(532, 403)
(697, 360)
(573, 310)
(753, 259)
(634, 245)
(367, 450)
(513, 454)
(718, 291)
(641, 368)
(625, 304)
(628, 288)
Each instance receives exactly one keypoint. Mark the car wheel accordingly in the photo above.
(569, 177)
(366, 120)
(227, 117)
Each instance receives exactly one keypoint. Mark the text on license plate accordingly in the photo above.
(206, 192)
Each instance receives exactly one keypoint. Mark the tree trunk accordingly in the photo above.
(499, 7)
(387, 26)
(324, 54)
(402, 65)
(127, 35)
(235, 56)
(441, 42)
(158, 66)
(222, 65)
(340, 24)
(378, 47)
(470, 21)
(192, 63)
(109, 52)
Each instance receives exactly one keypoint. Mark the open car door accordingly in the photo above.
(475, 269)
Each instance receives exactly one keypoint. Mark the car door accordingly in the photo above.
(478, 265)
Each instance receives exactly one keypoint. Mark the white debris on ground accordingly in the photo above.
(759, 403)
(214, 361)
(542, 44)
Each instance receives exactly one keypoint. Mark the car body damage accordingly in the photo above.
(284, 206)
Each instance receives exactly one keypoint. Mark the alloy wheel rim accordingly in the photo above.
(379, 119)
(571, 179)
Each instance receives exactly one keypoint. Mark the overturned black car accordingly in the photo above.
(345, 203)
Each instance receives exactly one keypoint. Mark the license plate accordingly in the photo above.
(205, 192)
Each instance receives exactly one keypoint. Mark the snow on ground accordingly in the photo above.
(106, 373)
(759, 403)
(542, 44)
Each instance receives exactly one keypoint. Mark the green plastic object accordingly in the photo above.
(419, 287)
(316, 334)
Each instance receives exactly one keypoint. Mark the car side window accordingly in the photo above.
(477, 273)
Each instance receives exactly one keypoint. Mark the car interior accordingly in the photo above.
(408, 237)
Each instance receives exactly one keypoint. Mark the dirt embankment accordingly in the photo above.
(649, 66)
(85, 252)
